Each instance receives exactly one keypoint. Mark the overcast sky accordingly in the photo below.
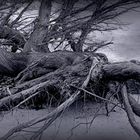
(127, 41)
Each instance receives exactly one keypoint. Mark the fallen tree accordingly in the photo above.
(73, 69)
(61, 77)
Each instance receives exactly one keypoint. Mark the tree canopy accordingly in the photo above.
(67, 22)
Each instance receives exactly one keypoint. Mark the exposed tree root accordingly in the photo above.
(121, 71)
(77, 69)
(97, 96)
(60, 78)
(54, 114)
(129, 111)
(135, 106)
(13, 100)
(38, 72)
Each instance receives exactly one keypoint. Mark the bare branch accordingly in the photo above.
(20, 15)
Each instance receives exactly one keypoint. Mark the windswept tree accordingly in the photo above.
(38, 69)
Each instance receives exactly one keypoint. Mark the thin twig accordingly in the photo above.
(90, 93)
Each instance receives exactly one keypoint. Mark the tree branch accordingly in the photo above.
(35, 42)
(130, 114)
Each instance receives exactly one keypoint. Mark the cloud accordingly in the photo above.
(126, 41)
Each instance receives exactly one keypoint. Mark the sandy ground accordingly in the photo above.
(73, 124)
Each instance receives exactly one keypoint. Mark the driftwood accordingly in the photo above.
(99, 70)
(39, 72)
(13, 100)
(129, 111)
(53, 115)
(51, 70)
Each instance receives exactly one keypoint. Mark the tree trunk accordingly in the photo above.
(58, 72)
(121, 71)
(12, 63)
(39, 35)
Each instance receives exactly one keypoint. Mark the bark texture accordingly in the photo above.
(37, 41)
(57, 74)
